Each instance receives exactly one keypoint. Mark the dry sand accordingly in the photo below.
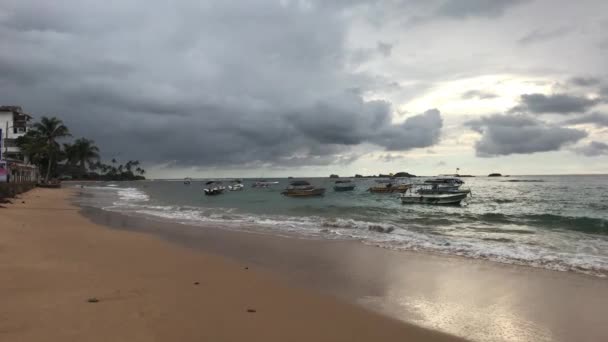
(52, 260)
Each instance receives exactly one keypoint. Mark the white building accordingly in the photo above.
(14, 122)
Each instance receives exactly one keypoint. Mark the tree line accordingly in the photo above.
(77, 160)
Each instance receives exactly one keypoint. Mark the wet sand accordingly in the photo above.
(476, 299)
(66, 278)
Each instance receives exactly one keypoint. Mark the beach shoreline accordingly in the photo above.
(66, 278)
(478, 299)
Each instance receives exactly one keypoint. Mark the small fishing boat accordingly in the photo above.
(389, 187)
(236, 185)
(262, 183)
(422, 195)
(443, 190)
(302, 189)
(214, 188)
(441, 185)
(187, 181)
(344, 185)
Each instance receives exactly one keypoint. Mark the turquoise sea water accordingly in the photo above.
(555, 222)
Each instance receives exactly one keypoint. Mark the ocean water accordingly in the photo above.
(553, 222)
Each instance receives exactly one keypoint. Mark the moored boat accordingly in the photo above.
(450, 181)
(187, 181)
(431, 194)
(441, 186)
(262, 183)
(214, 188)
(302, 189)
(456, 198)
(236, 185)
(389, 187)
(344, 185)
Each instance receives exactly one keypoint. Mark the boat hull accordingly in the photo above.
(389, 190)
(213, 192)
(444, 199)
(344, 188)
(303, 193)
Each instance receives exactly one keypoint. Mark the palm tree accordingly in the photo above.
(83, 152)
(33, 146)
(49, 130)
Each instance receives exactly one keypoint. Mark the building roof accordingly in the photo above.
(14, 110)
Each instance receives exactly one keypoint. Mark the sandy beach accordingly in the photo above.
(472, 298)
(64, 278)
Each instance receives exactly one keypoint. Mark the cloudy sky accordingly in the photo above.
(312, 87)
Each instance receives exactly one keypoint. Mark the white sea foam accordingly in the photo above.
(129, 195)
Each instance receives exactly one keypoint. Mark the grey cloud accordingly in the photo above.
(585, 81)
(596, 118)
(355, 122)
(519, 134)
(385, 49)
(555, 103)
(213, 83)
(389, 158)
(593, 149)
(471, 8)
(540, 35)
(416, 131)
(478, 94)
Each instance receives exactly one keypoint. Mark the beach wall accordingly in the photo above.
(8, 190)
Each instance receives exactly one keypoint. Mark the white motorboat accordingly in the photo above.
(432, 194)
(446, 198)
(262, 183)
(214, 188)
(236, 186)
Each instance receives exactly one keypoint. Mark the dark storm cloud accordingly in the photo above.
(207, 83)
(596, 118)
(478, 94)
(542, 35)
(471, 8)
(585, 81)
(520, 134)
(593, 149)
(555, 103)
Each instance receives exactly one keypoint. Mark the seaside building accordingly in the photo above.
(14, 166)
(14, 123)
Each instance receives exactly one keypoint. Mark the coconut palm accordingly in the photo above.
(48, 130)
(33, 146)
(82, 152)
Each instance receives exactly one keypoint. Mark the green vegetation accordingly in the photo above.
(77, 160)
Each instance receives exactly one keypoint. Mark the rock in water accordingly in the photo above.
(380, 229)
